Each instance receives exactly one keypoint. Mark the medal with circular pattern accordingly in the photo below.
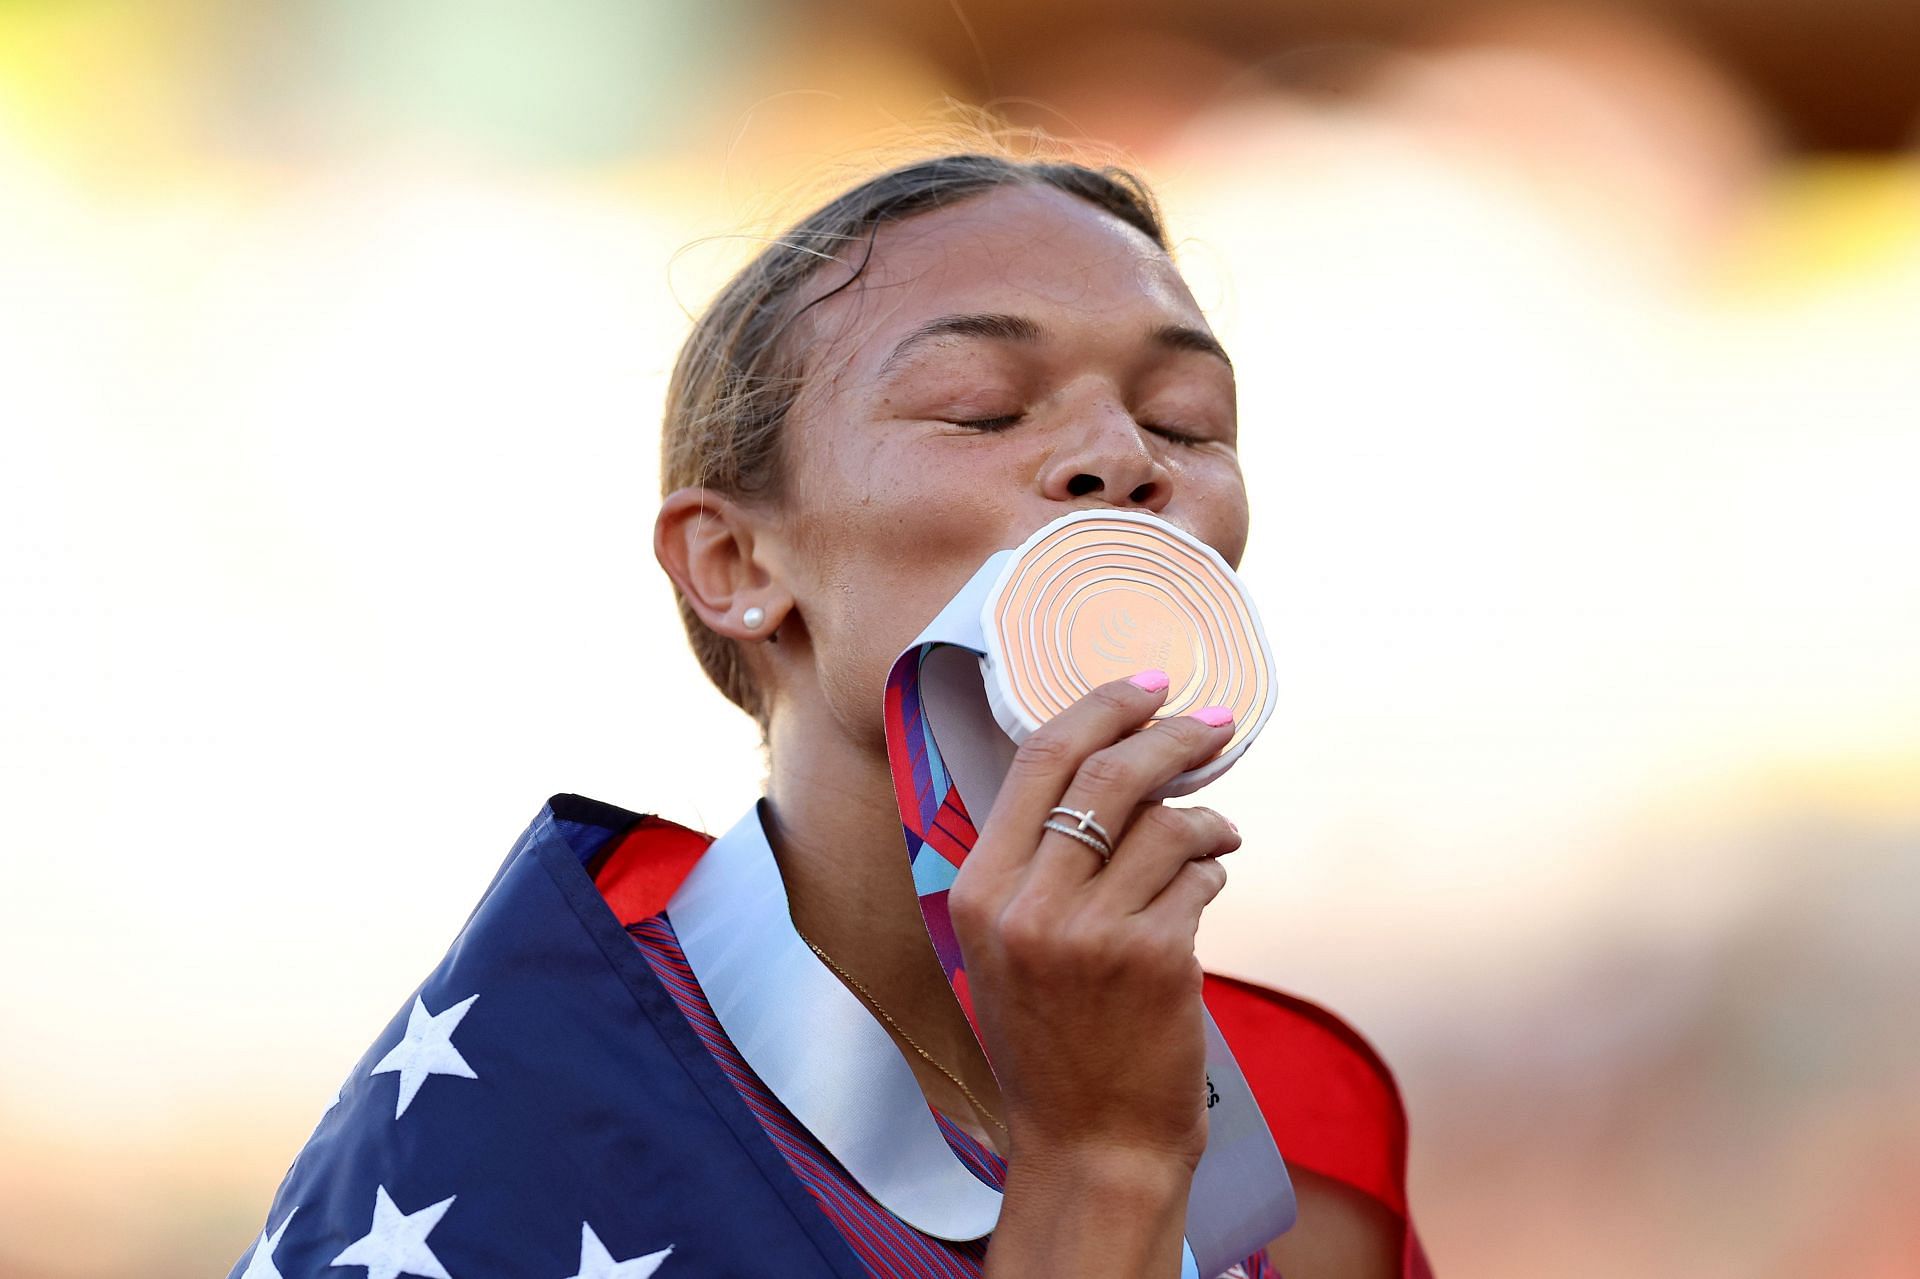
(1100, 595)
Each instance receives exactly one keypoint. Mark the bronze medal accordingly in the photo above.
(1099, 595)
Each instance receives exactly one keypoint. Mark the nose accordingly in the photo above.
(1105, 454)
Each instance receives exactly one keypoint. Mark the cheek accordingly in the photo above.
(884, 548)
(1233, 536)
(915, 505)
(853, 681)
(1217, 507)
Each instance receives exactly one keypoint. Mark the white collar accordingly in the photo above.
(813, 1044)
(817, 1048)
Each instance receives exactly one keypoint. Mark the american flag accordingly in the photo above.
(539, 1107)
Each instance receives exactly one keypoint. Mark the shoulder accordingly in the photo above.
(1327, 1096)
(1334, 1110)
(1330, 1101)
(638, 870)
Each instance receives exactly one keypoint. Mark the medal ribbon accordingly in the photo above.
(1241, 1195)
(939, 831)
(833, 1065)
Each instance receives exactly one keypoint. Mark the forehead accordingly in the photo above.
(1025, 250)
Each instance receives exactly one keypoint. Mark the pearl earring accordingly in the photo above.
(753, 617)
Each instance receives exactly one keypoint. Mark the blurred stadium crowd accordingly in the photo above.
(1580, 408)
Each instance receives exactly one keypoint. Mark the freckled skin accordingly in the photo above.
(895, 508)
(893, 501)
(901, 479)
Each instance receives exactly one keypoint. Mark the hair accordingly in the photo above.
(737, 376)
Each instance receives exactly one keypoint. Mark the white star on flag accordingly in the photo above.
(260, 1265)
(427, 1050)
(597, 1263)
(397, 1243)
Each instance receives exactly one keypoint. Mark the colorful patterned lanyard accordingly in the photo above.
(1242, 1197)
(939, 831)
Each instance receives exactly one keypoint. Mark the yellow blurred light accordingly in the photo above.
(107, 88)
(1829, 223)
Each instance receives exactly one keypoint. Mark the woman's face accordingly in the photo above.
(996, 365)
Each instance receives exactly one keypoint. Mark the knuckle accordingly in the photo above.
(1226, 833)
(1175, 829)
(1101, 950)
(967, 907)
(1044, 751)
(1209, 873)
(1217, 819)
(1113, 698)
(1025, 933)
(1189, 730)
(1206, 827)
(1163, 823)
(1107, 770)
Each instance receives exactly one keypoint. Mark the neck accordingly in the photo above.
(834, 827)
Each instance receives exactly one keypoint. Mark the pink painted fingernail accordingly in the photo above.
(1150, 681)
(1214, 716)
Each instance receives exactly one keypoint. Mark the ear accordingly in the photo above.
(705, 540)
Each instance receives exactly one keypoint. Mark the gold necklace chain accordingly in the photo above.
(900, 1030)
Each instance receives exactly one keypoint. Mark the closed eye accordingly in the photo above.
(1006, 420)
(1178, 437)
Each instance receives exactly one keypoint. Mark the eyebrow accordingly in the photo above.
(1018, 328)
(1183, 337)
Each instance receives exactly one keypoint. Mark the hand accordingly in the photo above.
(1082, 974)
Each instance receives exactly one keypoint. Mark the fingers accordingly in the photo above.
(1045, 765)
(1114, 780)
(1160, 844)
(1177, 909)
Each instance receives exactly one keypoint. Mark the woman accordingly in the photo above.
(923, 372)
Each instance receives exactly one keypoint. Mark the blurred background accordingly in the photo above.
(1580, 409)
